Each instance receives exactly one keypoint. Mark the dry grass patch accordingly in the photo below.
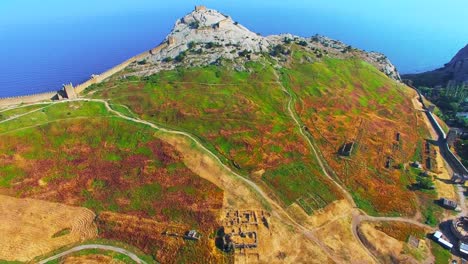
(31, 228)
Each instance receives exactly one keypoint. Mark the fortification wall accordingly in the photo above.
(103, 76)
(80, 87)
(26, 99)
(450, 157)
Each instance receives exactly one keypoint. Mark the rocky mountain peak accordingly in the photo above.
(210, 35)
(454, 72)
(205, 36)
(461, 55)
(458, 66)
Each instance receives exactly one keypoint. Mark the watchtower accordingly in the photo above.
(69, 91)
(171, 40)
(200, 8)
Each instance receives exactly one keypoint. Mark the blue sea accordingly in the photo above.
(40, 52)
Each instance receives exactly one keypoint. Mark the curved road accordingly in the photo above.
(95, 246)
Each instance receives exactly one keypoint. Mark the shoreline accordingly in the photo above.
(79, 88)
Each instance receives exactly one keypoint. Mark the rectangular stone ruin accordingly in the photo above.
(347, 148)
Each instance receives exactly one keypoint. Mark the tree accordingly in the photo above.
(425, 183)
(194, 25)
(279, 50)
(191, 45)
(302, 43)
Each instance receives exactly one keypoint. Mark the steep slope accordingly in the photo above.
(456, 71)
(230, 92)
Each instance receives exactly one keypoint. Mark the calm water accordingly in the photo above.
(42, 54)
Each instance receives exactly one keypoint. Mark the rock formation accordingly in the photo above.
(455, 71)
(206, 36)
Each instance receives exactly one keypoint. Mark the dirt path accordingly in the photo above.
(278, 211)
(20, 115)
(95, 246)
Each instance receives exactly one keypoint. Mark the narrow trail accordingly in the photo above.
(357, 215)
(129, 254)
(279, 211)
(24, 114)
(346, 194)
(296, 119)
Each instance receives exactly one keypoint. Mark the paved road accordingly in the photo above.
(95, 246)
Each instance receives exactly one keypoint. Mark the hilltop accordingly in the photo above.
(455, 71)
(206, 36)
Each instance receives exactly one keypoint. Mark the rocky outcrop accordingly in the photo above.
(207, 36)
(456, 71)
(339, 49)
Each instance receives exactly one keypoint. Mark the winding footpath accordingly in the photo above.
(357, 215)
(129, 254)
(280, 212)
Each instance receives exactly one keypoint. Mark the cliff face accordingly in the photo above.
(456, 71)
(207, 36)
(458, 66)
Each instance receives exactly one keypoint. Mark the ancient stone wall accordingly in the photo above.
(27, 99)
(101, 77)
(81, 87)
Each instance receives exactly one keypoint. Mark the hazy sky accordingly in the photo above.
(415, 34)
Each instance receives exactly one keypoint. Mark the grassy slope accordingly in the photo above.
(240, 115)
(79, 154)
(341, 99)
(243, 116)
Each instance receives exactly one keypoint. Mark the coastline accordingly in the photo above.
(33, 98)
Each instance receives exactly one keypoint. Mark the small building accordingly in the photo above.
(457, 177)
(462, 115)
(192, 235)
(464, 248)
(171, 40)
(449, 204)
(398, 136)
(69, 91)
(439, 238)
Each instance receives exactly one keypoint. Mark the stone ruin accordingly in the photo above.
(200, 8)
(241, 229)
(171, 40)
